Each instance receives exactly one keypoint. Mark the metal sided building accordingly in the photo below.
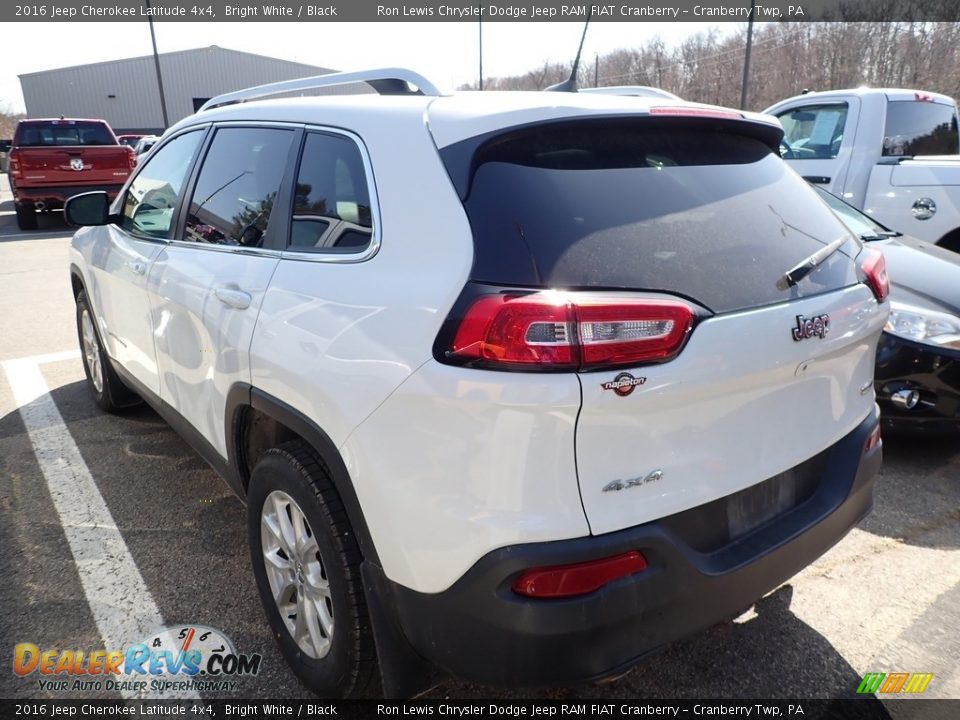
(125, 94)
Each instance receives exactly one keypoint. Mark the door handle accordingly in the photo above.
(137, 267)
(233, 297)
(817, 179)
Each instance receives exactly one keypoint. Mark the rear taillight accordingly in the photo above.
(873, 439)
(14, 164)
(131, 158)
(874, 267)
(560, 581)
(570, 331)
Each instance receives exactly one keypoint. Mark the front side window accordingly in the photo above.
(813, 132)
(331, 207)
(917, 127)
(149, 203)
(237, 186)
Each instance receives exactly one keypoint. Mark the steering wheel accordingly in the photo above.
(786, 150)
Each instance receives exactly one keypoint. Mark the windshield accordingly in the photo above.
(862, 225)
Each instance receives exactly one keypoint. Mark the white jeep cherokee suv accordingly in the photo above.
(516, 386)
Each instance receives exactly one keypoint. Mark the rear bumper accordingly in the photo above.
(934, 372)
(55, 196)
(480, 630)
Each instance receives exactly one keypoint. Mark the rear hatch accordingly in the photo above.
(69, 152)
(760, 376)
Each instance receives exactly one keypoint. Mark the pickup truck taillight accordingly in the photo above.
(569, 331)
(14, 166)
(131, 157)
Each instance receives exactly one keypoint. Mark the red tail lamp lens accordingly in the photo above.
(874, 267)
(574, 331)
(562, 581)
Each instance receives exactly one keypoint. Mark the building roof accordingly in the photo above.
(307, 69)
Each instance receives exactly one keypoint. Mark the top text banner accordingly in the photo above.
(518, 11)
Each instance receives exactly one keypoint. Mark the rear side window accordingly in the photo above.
(237, 186)
(331, 206)
(63, 132)
(813, 132)
(693, 210)
(920, 128)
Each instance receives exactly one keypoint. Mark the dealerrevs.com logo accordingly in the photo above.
(178, 658)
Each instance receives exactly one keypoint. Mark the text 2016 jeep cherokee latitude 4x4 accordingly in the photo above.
(518, 385)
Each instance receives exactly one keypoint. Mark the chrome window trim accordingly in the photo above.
(239, 249)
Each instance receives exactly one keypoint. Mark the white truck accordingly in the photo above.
(891, 153)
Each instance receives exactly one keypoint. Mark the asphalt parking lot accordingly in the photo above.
(886, 599)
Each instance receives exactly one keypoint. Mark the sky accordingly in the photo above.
(446, 53)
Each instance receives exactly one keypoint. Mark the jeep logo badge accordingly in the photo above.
(623, 384)
(807, 328)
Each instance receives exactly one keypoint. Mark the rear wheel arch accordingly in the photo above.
(257, 421)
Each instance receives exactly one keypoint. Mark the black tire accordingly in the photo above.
(26, 216)
(349, 667)
(112, 395)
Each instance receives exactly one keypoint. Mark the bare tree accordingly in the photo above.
(788, 58)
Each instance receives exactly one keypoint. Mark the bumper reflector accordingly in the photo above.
(561, 581)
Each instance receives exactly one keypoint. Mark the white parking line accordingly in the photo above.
(123, 608)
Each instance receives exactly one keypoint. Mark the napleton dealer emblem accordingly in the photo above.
(623, 384)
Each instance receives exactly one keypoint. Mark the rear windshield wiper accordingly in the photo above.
(799, 271)
(880, 235)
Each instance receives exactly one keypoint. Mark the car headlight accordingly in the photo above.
(923, 325)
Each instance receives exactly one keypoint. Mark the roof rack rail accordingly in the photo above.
(386, 81)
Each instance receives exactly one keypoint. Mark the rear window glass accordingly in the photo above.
(64, 132)
(920, 128)
(647, 205)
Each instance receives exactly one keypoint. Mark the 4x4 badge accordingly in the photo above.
(623, 384)
(616, 485)
(818, 326)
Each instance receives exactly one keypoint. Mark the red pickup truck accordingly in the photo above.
(52, 160)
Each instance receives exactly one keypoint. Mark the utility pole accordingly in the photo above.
(480, 52)
(596, 69)
(156, 63)
(746, 60)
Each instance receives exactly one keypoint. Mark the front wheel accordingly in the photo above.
(307, 567)
(107, 388)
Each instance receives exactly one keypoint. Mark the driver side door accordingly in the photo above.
(818, 139)
(121, 265)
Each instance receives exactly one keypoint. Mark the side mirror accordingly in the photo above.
(92, 208)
